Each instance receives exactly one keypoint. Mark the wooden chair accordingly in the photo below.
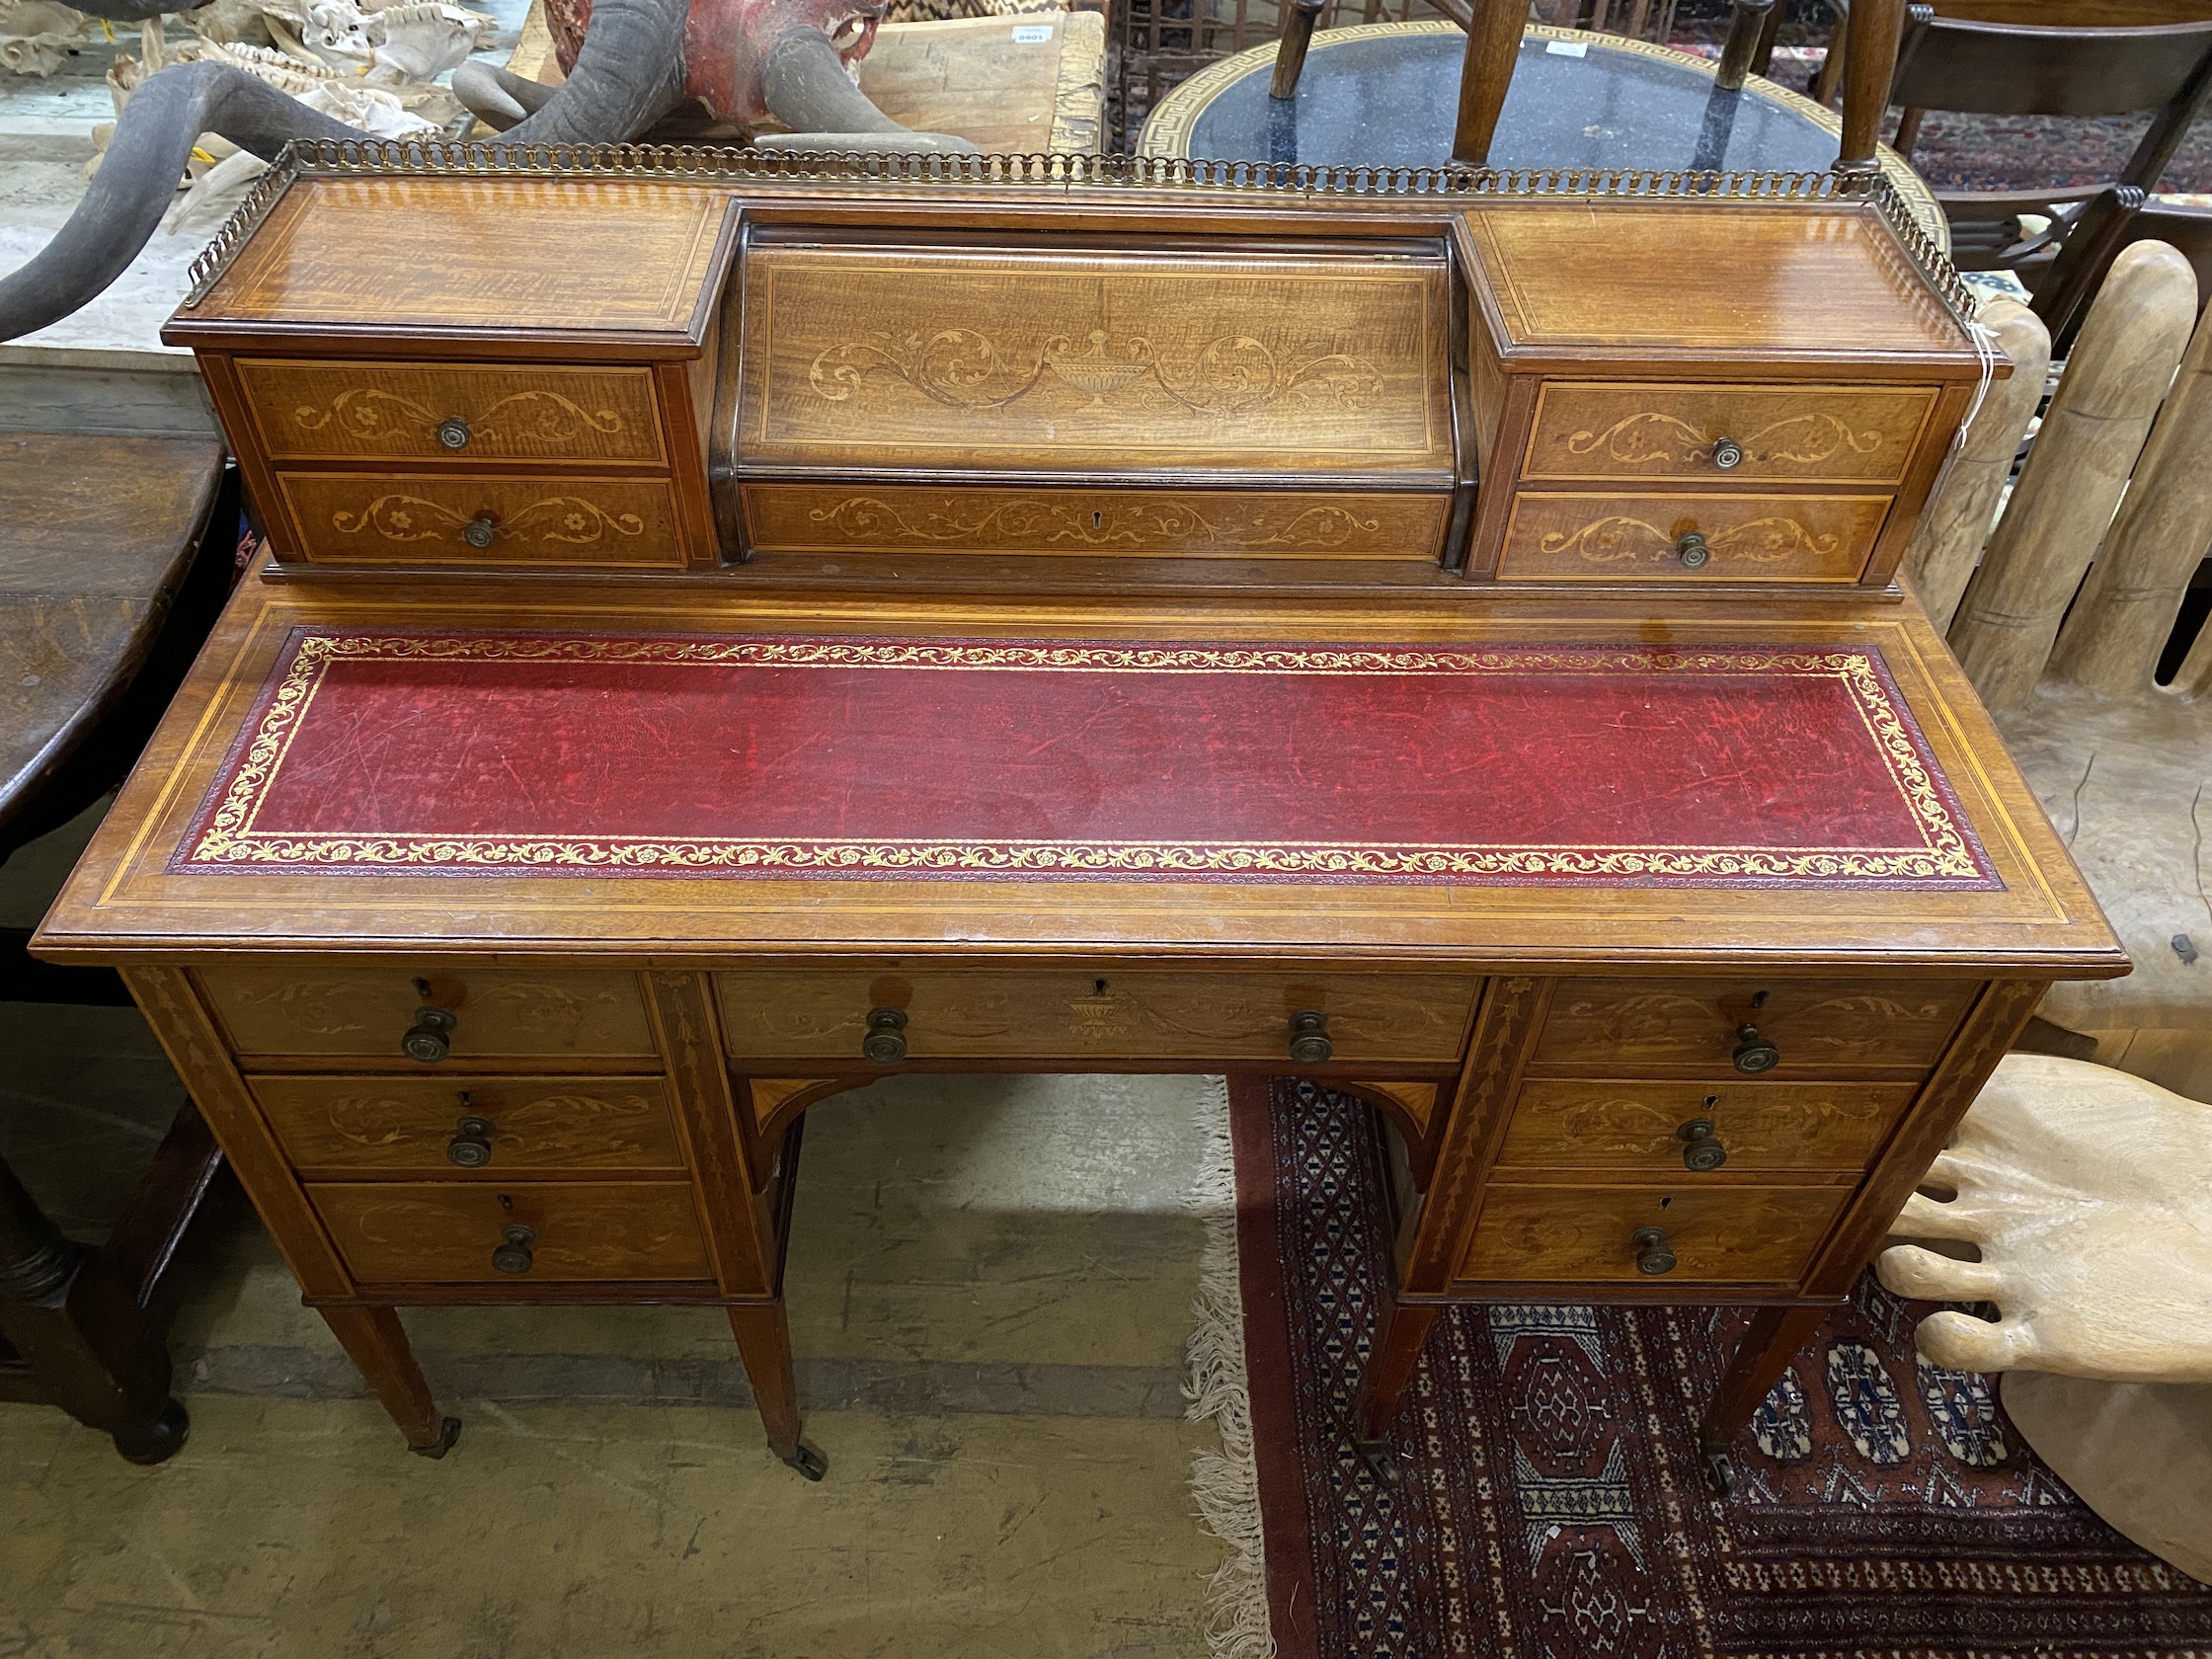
(110, 575)
(1965, 66)
(2117, 219)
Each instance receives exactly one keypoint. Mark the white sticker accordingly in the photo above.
(1567, 48)
(1032, 33)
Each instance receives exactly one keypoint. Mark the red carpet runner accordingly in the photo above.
(1551, 1506)
(593, 754)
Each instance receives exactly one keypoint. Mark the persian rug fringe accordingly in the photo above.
(1225, 1483)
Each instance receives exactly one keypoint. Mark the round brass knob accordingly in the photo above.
(454, 433)
(478, 531)
(886, 1041)
(1701, 1149)
(1754, 1053)
(513, 1254)
(430, 1038)
(1691, 548)
(1727, 455)
(471, 1145)
(1310, 1039)
(1652, 1255)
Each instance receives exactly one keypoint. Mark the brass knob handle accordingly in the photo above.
(1754, 1053)
(1310, 1039)
(1691, 549)
(513, 1254)
(886, 1041)
(471, 1145)
(430, 1038)
(454, 433)
(1727, 455)
(1701, 1149)
(478, 531)
(1652, 1255)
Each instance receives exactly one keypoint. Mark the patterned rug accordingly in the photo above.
(1552, 1507)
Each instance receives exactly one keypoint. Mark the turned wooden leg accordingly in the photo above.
(764, 1342)
(1392, 1362)
(1870, 64)
(67, 1311)
(1493, 48)
(1775, 1337)
(376, 1342)
(1289, 51)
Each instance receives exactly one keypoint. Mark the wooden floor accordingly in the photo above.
(990, 1287)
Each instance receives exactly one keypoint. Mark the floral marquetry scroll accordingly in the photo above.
(1774, 538)
(1186, 523)
(1007, 359)
(1838, 434)
(483, 519)
(453, 412)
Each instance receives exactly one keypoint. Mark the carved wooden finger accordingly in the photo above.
(1940, 559)
(2121, 365)
(2094, 1218)
(2112, 636)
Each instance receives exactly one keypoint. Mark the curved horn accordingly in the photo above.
(628, 74)
(137, 180)
(805, 86)
(499, 98)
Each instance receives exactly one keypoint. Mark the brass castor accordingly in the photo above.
(447, 1431)
(807, 1461)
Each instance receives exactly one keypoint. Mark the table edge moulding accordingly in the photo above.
(1085, 614)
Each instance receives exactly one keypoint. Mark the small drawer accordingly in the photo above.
(1801, 434)
(1691, 537)
(453, 412)
(406, 1232)
(1650, 1128)
(395, 519)
(489, 1126)
(1716, 1234)
(1615, 1027)
(304, 1007)
(1134, 1015)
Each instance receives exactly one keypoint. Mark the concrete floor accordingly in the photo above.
(990, 1284)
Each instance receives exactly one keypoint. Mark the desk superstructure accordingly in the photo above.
(737, 634)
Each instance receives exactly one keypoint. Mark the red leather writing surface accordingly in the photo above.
(552, 753)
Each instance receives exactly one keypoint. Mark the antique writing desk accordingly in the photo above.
(735, 631)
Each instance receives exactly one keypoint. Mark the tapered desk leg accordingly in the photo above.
(1392, 1362)
(1775, 1337)
(765, 1341)
(1493, 47)
(1869, 65)
(376, 1342)
(1290, 51)
(67, 1311)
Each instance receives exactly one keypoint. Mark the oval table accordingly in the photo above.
(1383, 94)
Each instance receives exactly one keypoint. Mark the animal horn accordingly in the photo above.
(628, 74)
(804, 87)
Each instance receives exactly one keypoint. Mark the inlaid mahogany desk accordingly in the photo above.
(735, 633)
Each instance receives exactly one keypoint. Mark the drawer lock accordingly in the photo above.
(1701, 1149)
(1310, 1039)
(1652, 1255)
(1754, 1053)
(513, 1252)
(886, 1041)
(471, 1145)
(431, 1038)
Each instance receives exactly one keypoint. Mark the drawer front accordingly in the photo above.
(397, 518)
(1615, 1027)
(402, 1232)
(1575, 1124)
(305, 1008)
(1746, 538)
(338, 411)
(1718, 1235)
(1397, 527)
(1137, 1015)
(401, 1125)
(1799, 435)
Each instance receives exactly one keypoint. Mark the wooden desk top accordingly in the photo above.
(1998, 890)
